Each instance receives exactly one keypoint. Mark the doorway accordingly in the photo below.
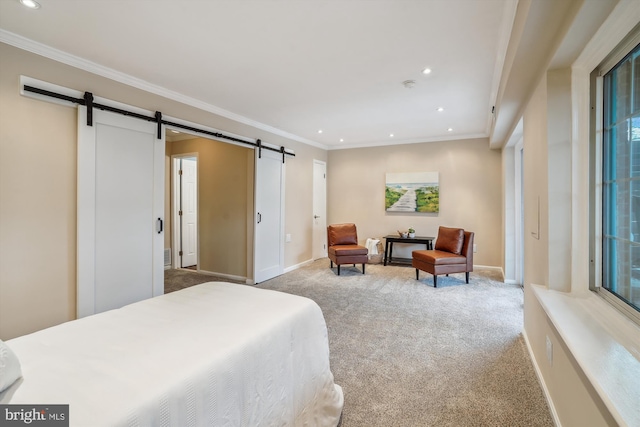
(185, 210)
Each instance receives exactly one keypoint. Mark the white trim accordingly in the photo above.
(508, 19)
(41, 84)
(622, 19)
(594, 341)
(100, 70)
(389, 143)
(489, 267)
(300, 265)
(543, 385)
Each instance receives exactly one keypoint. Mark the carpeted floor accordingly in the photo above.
(174, 280)
(408, 355)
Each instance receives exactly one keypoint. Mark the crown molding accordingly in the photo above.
(83, 64)
(409, 141)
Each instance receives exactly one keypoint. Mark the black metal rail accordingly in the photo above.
(87, 101)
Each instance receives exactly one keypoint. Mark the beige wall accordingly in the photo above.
(470, 191)
(225, 178)
(37, 206)
(547, 171)
(38, 187)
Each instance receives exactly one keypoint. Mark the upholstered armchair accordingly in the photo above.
(343, 246)
(453, 253)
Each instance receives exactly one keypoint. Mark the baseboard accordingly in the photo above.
(545, 390)
(492, 267)
(167, 267)
(297, 266)
(488, 267)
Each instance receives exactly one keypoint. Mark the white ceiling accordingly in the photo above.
(297, 65)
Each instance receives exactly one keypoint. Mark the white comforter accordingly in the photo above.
(216, 354)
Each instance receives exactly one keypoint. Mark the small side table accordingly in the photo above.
(390, 240)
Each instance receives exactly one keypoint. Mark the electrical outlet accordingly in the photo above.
(549, 351)
(287, 238)
(475, 248)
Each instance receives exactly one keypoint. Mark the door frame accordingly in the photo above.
(175, 207)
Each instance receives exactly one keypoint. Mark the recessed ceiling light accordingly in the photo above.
(319, 130)
(440, 109)
(31, 4)
(426, 71)
(450, 130)
(391, 135)
(341, 140)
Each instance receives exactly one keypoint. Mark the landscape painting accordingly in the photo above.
(412, 192)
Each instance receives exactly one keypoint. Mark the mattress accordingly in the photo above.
(215, 354)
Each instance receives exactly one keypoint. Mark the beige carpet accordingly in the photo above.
(407, 354)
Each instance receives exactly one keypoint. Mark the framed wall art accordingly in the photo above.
(412, 192)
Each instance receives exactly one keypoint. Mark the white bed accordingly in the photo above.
(215, 354)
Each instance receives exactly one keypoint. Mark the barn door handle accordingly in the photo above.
(159, 225)
(259, 217)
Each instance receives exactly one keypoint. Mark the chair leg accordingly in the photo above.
(363, 268)
(331, 262)
(467, 276)
(417, 274)
(338, 269)
(435, 281)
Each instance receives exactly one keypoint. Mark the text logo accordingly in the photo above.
(34, 415)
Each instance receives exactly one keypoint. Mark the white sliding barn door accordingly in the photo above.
(120, 211)
(269, 216)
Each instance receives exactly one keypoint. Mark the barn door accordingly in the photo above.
(269, 216)
(120, 211)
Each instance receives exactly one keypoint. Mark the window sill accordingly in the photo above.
(601, 344)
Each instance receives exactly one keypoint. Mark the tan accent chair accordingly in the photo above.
(453, 253)
(343, 246)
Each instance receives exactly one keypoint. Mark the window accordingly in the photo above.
(620, 155)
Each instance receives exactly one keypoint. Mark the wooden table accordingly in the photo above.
(390, 240)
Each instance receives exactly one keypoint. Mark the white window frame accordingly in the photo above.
(596, 172)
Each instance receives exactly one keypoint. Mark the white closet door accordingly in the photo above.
(120, 211)
(269, 218)
(319, 209)
(189, 207)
